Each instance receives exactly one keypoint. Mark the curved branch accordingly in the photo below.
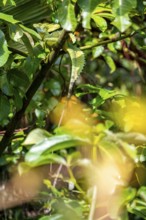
(31, 91)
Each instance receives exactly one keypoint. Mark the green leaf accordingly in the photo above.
(120, 199)
(122, 7)
(66, 15)
(122, 22)
(4, 52)
(52, 217)
(110, 62)
(138, 208)
(35, 136)
(78, 61)
(100, 22)
(31, 32)
(87, 7)
(4, 107)
(54, 87)
(97, 51)
(15, 32)
(16, 77)
(43, 159)
(54, 143)
(8, 2)
(8, 18)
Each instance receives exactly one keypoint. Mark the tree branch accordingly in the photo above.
(31, 91)
(118, 38)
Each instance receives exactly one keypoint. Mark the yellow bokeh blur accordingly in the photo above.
(71, 110)
(130, 114)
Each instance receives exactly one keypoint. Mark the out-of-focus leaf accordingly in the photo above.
(8, 18)
(110, 62)
(15, 32)
(97, 51)
(120, 199)
(52, 217)
(87, 8)
(43, 159)
(30, 31)
(66, 15)
(35, 136)
(7, 2)
(142, 193)
(4, 52)
(100, 22)
(122, 7)
(17, 77)
(122, 22)
(4, 107)
(138, 208)
(54, 143)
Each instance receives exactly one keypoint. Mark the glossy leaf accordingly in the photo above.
(8, 18)
(35, 136)
(87, 8)
(100, 22)
(97, 51)
(122, 7)
(110, 62)
(4, 52)
(122, 22)
(52, 144)
(66, 15)
(15, 32)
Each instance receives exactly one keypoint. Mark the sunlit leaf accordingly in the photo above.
(8, 18)
(87, 8)
(48, 145)
(35, 136)
(97, 51)
(118, 200)
(4, 52)
(100, 22)
(66, 15)
(110, 62)
(122, 22)
(122, 7)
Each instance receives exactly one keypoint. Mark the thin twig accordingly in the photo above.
(101, 43)
(93, 204)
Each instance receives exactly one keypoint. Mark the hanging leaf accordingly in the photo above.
(78, 61)
(66, 15)
(97, 51)
(87, 7)
(4, 52)
(110, 63)
(100, 22)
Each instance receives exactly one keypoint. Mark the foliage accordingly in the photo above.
(72, 109)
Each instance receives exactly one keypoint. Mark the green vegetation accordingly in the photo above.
(72, 109)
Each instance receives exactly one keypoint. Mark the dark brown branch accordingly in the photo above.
(30, 93)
